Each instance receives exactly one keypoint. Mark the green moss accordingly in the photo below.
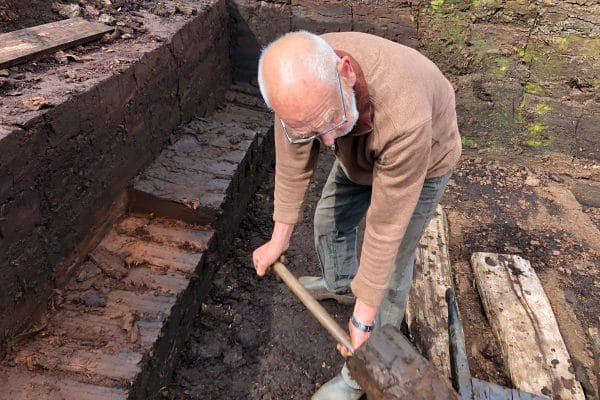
(585, 46)
(526, 55)
(533, 142)
(538, 142)
(536, 127)
(561, 42)
(503, 64)
(541, 108)
(534, 88)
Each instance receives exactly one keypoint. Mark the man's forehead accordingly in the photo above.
(305, 95)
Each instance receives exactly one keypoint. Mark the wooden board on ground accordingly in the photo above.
(525, 326)
(426, 310)
(490, 391)
(25, 44)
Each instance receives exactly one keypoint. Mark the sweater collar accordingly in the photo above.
(364, 124)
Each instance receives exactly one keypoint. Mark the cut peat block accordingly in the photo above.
(26, 44)
(427, 310)
(23, 384)
(525, 326)
(193, 178)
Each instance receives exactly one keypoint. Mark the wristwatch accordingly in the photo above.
(360, 325)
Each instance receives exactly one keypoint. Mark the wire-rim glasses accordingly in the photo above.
(313, 137)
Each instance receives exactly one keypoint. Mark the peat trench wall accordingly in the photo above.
(64, 169)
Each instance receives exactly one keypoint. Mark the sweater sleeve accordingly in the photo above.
(398, 178)
(294, 166)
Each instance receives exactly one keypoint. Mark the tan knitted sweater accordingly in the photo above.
(407, 132)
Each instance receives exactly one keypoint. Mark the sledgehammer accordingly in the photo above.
(383, 357)
(317, 310)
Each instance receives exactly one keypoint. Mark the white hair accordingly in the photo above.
(319, 64)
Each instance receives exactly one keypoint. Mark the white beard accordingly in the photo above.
(352, 110)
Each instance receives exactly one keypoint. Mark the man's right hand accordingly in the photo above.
(268, 253)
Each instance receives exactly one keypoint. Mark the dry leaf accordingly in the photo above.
(36, 103)
(91, 10)
(67, 10)
(185, 9)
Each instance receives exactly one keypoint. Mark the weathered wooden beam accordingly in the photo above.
(25, 44)
(490, 391)
(426, 310)
(525, 326)
(389, 367)
(595, 338)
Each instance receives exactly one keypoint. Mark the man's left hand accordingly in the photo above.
(357, 338)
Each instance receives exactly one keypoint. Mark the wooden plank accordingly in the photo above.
(525, 326)
(389, 367)
(25, 44)
(426, 310)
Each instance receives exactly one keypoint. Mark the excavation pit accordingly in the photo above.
(123, 196)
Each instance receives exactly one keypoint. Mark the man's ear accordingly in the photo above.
(346, 71)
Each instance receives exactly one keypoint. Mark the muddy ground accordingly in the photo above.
(254, 340)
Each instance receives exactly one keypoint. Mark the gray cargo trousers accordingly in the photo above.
(340, 210)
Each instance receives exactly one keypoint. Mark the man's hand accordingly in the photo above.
(364, 313)
(357, 337)
(268, 253)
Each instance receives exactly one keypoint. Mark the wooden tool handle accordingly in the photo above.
(324, 318)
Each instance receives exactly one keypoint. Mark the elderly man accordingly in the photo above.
(388, 114)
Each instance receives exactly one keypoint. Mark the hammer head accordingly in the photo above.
(389, 367)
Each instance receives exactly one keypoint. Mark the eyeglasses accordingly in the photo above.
(305, 138)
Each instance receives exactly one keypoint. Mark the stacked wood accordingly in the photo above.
(525, 326)
(426, 310)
